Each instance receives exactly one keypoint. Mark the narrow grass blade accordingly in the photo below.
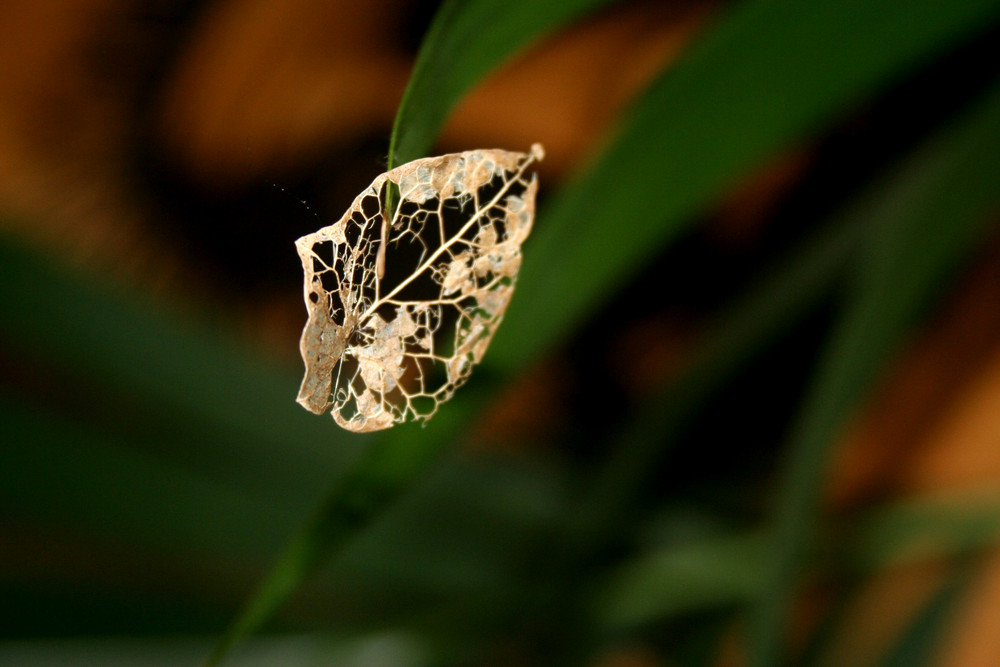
(468, 39)
(715, 573)
(385, 471)
(918, 643)
(932, 216)
(755, 319)
(667, 582)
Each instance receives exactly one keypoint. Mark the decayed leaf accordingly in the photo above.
(400, 313)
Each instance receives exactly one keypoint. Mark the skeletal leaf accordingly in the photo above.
(401, 310)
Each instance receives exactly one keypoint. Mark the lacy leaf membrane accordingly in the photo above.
(401, 310)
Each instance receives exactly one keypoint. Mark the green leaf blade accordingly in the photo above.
(466, 41)
(766, 77)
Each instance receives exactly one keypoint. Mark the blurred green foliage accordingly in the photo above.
(166, 448)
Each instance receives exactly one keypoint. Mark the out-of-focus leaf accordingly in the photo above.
(97, 511)
(666, 582)
(461, 530)
(777, 302)
(395, 649)
(167, 373)
(713, 573)
(952, 523)
(393, 463)
(63, 473)
(780, 299)
(950, 181)
(467, 39)
(768, 75)
(930, 217)
(918, 643)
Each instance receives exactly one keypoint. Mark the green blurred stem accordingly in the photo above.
(919, 642)
(388, 467)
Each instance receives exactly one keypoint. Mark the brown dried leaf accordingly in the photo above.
(399, 313)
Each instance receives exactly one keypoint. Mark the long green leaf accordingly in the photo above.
(667, 582)
(467, 39)
(918, 643)
(713, 573)
(932, 216)
(767, 76)
(755, 319)
(954, 522)
(392, 464)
